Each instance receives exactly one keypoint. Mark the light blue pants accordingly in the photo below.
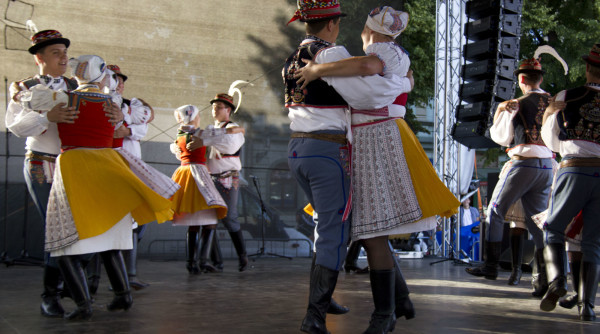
(320, 167)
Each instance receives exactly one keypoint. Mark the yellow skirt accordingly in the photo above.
(432, 194)
(189, 199)
(101, 189)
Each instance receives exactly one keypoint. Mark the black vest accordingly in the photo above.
(580, 120)
(318, 93)
(528, 121)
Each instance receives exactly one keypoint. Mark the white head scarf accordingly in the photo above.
(387, 21)
(185, 114)
(88, 68)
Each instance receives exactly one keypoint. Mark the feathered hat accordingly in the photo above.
(315, 10)
(227, 98)
(533, 65)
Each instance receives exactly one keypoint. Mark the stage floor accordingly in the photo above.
(271, 296)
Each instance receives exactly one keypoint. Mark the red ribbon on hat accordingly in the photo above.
(297, 16)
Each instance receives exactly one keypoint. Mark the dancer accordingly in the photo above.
(49, 49)
(197, 203)
(318, 151)
(571, 127)
(387, 156)
(96, 190)
(528, 174)
(224, 164)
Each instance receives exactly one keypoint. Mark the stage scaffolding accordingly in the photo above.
(450, 19)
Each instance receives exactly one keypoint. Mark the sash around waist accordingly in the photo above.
(580, 162)
(335, 138)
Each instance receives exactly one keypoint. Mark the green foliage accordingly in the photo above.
(570, 27)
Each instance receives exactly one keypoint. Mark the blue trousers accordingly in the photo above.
(321, 169)
(530, 181)
(576, 189)
(39, 189)
(230, 196)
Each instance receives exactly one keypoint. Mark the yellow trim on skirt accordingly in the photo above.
(188, 199)
(102, 189)
(432, 194)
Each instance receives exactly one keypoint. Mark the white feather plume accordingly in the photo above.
(30, 25)
(550, 50)
(234, 89)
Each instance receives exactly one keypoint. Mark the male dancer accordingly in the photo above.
(318, 149)
(571, 127)
(528, 173)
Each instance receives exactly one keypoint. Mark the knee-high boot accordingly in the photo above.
(215, 255)
(575, 266)
(489, 269)
(192, 252)
(50, 306)
(74, 276)
(93, 273)
(404, 306)
(383, 319)
(322, 284)
(517, 239)
(588, 287)
(334, 307)
(117, 275)
(556, 261)
(130, 257)
(208, 234)
(240, 247)
(539, 278)
(350, 264)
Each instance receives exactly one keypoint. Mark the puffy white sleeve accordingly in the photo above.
(551, 129)
(140, 114)
(41, 98)
(363, 92)
(22, 116)
(503, 131)
(222, 142)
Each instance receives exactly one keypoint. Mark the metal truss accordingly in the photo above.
(450, 19)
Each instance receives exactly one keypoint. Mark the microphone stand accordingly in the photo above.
(263, 212)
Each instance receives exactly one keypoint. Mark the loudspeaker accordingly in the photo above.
(473, 134)
(507, 25)
(477, 9)
(476, 111)
(492, 48)
(490, 68)
(484, 89)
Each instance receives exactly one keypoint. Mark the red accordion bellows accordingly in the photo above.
(91, 128)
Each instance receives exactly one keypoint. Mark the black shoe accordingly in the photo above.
(51, 307)
(322, 284)
(517, 239)
(588, 286)
(489, 269)
(310, 324)
(335, 308)
(237, 238)
(83, 312)
(484, 271)
(192, 252)
(568, 302)
(383, 319)
(76, 281)
(137, 284)
(120, 302)
(539, 278)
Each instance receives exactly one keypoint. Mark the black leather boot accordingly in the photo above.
(539, 277)
(322, 284)
(350, 264)
(517, 239)
(575, 265)
(93, 273)
(74, 277)
(208, 234)
(334, 307)
(489, 269)
(556, 261)
(383, 319)
(240, 247)
(404, 306)
(215, 255)
(130, 257)
(192, 252)
(590, 272)
(117, 275)
(50, 306)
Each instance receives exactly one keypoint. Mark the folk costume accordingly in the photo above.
(197, 202)
(527, 175)
(224, 165)
(96, 190)
(574, 133)
(42, 147)
(319, 153)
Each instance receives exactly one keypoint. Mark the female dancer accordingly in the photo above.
(96, 190)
